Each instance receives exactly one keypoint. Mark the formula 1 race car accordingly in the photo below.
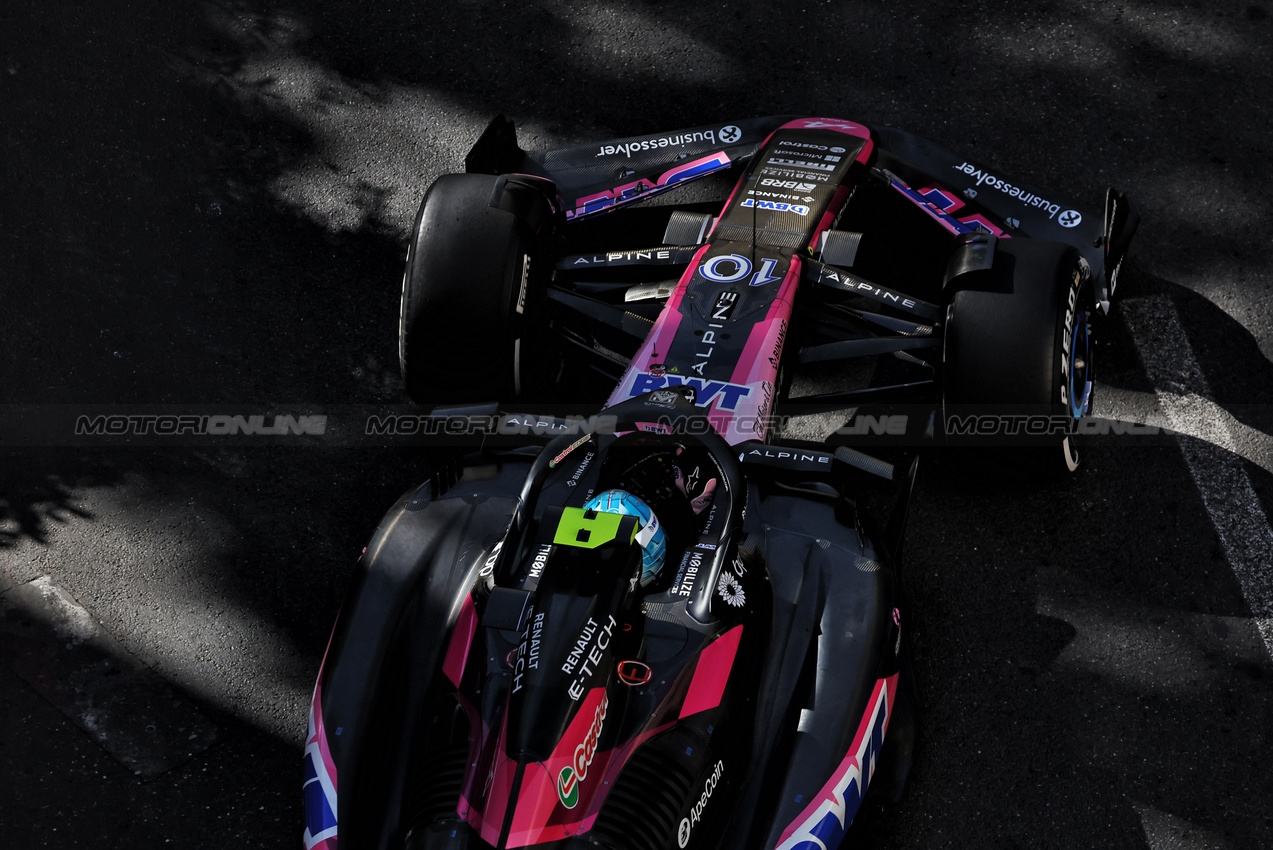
(668, 629)
(629, 640)
(822, 264)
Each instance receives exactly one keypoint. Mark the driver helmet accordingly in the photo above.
(650, 536)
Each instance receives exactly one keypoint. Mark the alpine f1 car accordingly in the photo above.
(823, 264)
(676, 631)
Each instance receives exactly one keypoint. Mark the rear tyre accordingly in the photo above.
(1018, 348)
(463, 333)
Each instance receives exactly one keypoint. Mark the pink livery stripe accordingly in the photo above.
(320, 781)
(823, 823)
(457, 651)
(715, 663)
(758, 368)
(659, 340)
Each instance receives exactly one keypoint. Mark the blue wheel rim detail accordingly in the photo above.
(1082, 342)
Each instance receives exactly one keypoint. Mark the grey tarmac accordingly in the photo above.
(208, 204)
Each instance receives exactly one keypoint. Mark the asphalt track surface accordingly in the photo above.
(206, 205)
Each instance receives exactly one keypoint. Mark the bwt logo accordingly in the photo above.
(798, 209)
(726, 395)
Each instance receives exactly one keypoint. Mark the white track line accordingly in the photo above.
(1224, 485)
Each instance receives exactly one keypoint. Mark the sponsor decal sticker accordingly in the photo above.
(579, 471)
(621, 257)
(696, 813)
(568, 788)
(760, 193)
(587, 655)
(1070, 218)
(800, 163)
(526, 655)
(795, 185)
(569, 778)
(731, 590)
(679, 140)
(726, 395)
(576, 444)
(1025, 196)
(852, 283)
(684, 584)
(726, 300)
(776, 206)
(730, 134)
(633, 672)
(791, 455)
(799, 175)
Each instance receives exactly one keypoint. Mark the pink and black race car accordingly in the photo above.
(821, 265)
(677, 630)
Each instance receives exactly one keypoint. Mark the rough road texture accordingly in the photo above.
(207, 203)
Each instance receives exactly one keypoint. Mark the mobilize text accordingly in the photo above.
(540, 560)
(685, 581)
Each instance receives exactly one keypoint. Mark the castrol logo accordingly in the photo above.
(577, 771)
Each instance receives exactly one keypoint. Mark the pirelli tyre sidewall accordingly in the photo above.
(464, 329)
(1018, 356)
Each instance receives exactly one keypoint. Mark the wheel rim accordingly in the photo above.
(1080, 368)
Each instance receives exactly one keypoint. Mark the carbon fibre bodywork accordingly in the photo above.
(500, 675)
(834, 247)
(493, 683)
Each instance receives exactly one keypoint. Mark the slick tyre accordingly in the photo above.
(1018, 357)
(464, 334)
